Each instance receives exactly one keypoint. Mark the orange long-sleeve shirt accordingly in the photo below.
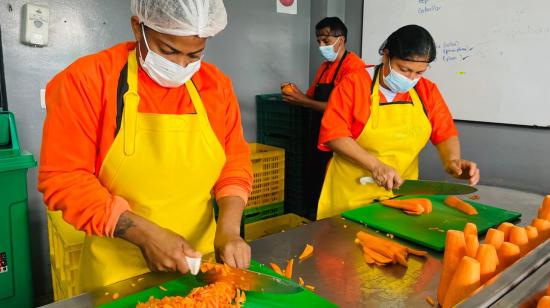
(352, 63)
(348, 109)
(80, 127)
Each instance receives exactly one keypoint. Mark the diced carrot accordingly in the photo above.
(488, 261)
(308, 252)
(475, 197)
(465, 280)
(455, 249)
(460, 205)
(505, 227)
(472, 244)
(288, 270)
(163, 288)
(115, 295)
(276, 269)
(518, 236)
(494, 237)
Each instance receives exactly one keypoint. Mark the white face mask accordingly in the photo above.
(163, 71)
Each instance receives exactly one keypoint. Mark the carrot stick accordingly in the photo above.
(506, 227)
(472, 244)
(460, 205)
(424, 202)
(455, 249)
(494, 237)
(465, 280)
(508, 253)
(470, 228)
(544, 211)
(276, 269)
(533, 236)
(420, 253)
(518, 236)
(543, 226)
(289, 267)
(488, 261)
(308, 252)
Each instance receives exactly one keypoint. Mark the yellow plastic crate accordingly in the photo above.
(258, 229)
(268, 166)
(65, 247)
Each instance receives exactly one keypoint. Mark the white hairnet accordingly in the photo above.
(204, 18)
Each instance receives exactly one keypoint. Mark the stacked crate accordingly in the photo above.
(286, 126)
(65, 247)
(268, 189)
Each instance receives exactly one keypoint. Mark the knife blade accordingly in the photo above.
(250, 281)
(423, 187)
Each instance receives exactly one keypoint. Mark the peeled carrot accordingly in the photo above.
(455, 249)
(308, 252)
(494, 237)
(460, 205)
(533, 236)
(289, 267)
(544, 211)
(508, 253)
(276, 269)
(464, 281)
(472, 244)
(543, 227)
(488, 261)
(518, 236)
(424, 202)
(544, 302)
(505, 227)
(405, 205)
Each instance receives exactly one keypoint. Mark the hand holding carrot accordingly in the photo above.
(463, 169)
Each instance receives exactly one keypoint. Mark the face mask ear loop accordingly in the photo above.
(145, 40)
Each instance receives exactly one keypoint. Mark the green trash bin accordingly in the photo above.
(15, 265)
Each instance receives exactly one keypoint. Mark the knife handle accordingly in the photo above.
(366, 180)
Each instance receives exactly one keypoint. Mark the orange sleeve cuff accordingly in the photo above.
(115, 207)
(233, 191)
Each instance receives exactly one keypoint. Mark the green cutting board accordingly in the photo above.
(428, 229)
(183, 285)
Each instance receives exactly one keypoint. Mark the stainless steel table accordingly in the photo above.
(338, 270)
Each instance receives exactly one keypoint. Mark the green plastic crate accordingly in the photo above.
(262, 212)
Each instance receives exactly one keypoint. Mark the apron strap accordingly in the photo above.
(131, 102)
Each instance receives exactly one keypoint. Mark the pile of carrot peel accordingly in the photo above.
(380, 251)
(469, 265)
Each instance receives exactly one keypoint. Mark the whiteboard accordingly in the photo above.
(493, 59)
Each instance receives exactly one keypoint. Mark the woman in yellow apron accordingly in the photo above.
(137, 140)
(377, 122)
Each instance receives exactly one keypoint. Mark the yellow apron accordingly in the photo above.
(165, 166)
(395, 133)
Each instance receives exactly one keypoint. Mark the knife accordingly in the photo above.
(422, 187)
(250, 281)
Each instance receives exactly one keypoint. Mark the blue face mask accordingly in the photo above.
(398, 83)
(328, 51)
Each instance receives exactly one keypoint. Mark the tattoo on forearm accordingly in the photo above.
(123, 224)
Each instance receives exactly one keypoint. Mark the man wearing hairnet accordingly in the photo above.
(137, 140)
